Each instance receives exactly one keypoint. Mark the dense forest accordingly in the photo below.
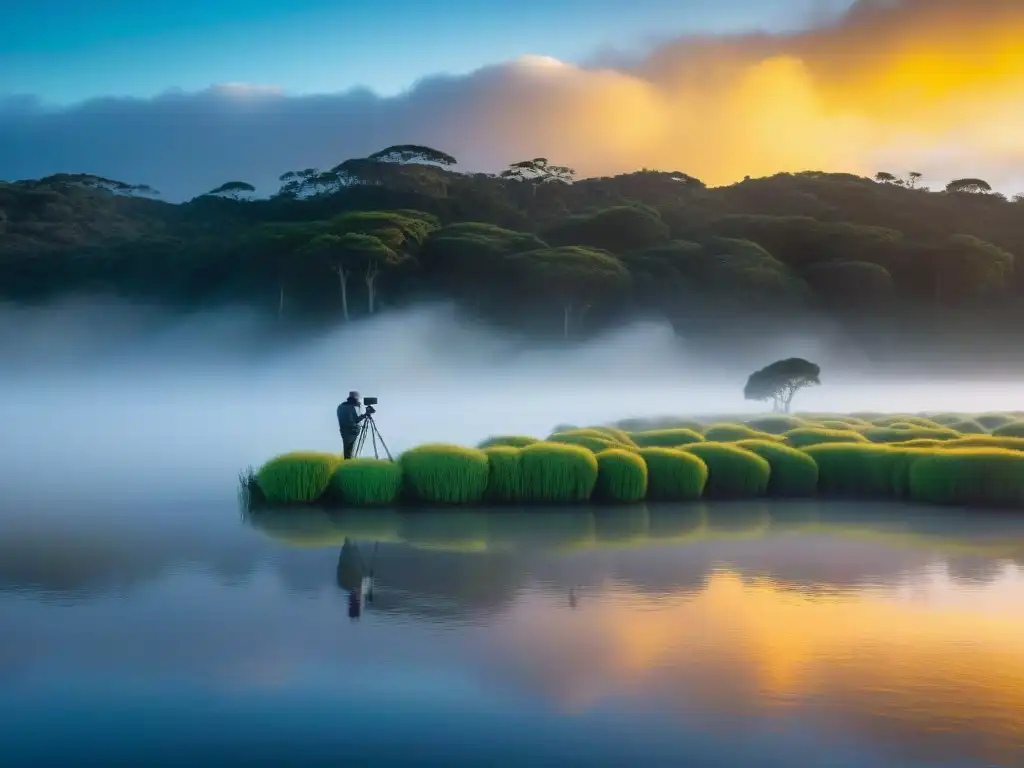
(532, 247)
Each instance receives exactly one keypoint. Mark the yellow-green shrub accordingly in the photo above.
(445, 474)
(793, 472)
(775, 425)
(733, 472)
(730, 433)
(298, 477)
(666, 438)
(367, 482)
(970, 476)
(673, 474)
(1011, 429)
(556, 472)
(516, 441)
(505, 474)
(621, 476)
(801, 438)
(910, 432)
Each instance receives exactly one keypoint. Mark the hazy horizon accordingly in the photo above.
(124, 401)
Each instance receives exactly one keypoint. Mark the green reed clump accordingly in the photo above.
(946, 419)
(592, 443)
(793, 472)
(674, 474)
(919, 442)
(801, 438)
(834, 420)
(968, 427)
(1010, 429)
(775, 425)
(621, 476)
(557, 472)
(445, 474)
(733, 472)
(666, 438)
(909, 432)
(987, 441)
(299, 477)
(991, 477)
(730, 433)
(648, 424)
(840, 425)
(367, 483)
(505, 474)
(516, 441)
(620, 436)
(992, 421)
(905, 419)
(859, 470)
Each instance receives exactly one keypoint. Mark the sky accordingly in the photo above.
(186, 95)
(65, 50)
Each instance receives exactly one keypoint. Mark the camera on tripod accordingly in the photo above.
(369, 402)
(369, 427)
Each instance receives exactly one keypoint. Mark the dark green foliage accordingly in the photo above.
(557, 473)
(300, 477)
(617, 229)
(992, 421)
(904, 420)
(367, 482)
(969, 476)
(1012, 429)
(987, 441)
(673, 474)
(621, 476)
(666, 438)
(445, 474)
(793, 472)
(967, 427)
(505, 475)
(839, 424)
(733, 472)
(518, 441)
(730, 433)
(590, 442)
(858, 470)
(620, 436)
(898, 434)
(775, 425)
(801, 438)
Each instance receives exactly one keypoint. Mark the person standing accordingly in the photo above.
(350, 422)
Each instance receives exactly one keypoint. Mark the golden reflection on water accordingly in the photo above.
(932, 665)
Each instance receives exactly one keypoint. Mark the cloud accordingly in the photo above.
(935, 86)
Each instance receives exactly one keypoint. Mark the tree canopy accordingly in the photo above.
(781, 380)
(532, 242)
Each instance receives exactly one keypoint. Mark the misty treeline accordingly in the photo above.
(532, 247)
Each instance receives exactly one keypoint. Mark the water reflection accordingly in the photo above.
(806, 633)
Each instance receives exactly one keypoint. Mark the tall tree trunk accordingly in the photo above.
(343, 285)
(371, 285)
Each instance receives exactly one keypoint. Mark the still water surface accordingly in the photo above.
(723, 635)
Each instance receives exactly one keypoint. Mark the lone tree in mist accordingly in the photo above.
(780, 381)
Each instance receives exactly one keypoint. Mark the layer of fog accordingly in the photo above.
(122, 402)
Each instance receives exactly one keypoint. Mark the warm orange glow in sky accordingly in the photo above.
(932, 86)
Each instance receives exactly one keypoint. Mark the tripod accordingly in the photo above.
(369, 426)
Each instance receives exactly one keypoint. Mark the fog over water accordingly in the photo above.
(112, 401)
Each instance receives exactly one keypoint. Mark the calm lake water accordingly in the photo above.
(787, 634)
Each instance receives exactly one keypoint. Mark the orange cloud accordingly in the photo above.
(929, 85)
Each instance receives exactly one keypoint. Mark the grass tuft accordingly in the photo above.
(445, 474)
(793, 472)
(987, 441)
(299, 477)
(666, 438)
(367, 483)
(505, 474)
(1011, 429)
(674, 474)
(516, 441)
(992, 421)
(776, 425)
(899, 434)
(801, 438)
(592, 443)
(731, 433)
(733, 472)
(621, 476)
(991, 477)
(556, 472)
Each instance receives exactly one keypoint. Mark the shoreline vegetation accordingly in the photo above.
(538, 250)
(951, 459)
